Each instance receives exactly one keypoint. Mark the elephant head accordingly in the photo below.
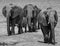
(52, 16)
(6, 10)
(28, 9)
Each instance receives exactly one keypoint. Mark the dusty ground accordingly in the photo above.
(28, 39)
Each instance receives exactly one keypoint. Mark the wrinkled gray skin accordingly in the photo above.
(48, 20)
(14, 15)
(31, 12)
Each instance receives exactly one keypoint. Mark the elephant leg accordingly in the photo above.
(38, 26)
(53, 37)
(50, 39)
(20, 29)
(29, 24)
(13, 27)
(34, 24)
(45, 34)
(8, 26)
(34, 28)
(12, 30)
(25, 29)
(30, 30)
(52, 34)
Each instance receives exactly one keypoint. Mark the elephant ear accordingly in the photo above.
(42, 19)
(37, 10)
(25, 11)
(4, 11)
(56, 16)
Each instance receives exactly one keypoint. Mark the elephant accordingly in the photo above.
(14, 15)
(52, 22)
(31, 11)
(48, 20)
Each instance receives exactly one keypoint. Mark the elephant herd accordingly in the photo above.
(29, 16)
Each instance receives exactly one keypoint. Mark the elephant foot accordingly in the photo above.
(46, 39)
(25, 31)
(39, 28)
(52, 42)
(34, 30)
(20, 32)
(13, 33)
(30, 30)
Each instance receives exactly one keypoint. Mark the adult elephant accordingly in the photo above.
(14, 17)
(52, 22)
(48, 20)
(31, 11)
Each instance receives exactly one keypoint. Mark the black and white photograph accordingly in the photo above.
(29, 23)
